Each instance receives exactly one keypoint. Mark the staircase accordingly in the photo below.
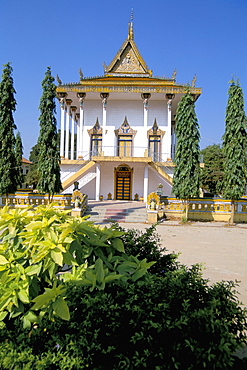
(129, 212)
(76, 176)
(82, 182)
(163, 171)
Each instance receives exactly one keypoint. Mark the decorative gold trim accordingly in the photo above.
(128, 47)
(153, 196)
(96, 130)
(129, 86)
(125, 129)
(155, 130)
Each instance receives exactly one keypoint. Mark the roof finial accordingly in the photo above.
(131, 31)
(132, 15)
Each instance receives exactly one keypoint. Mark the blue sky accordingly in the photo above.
(204, 37)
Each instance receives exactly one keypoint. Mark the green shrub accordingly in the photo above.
(147, 244)
(106, 311)
(176, 321)
(42, 249)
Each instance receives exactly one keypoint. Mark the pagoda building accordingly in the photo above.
(117, 137)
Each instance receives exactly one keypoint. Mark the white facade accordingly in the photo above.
(117, 131)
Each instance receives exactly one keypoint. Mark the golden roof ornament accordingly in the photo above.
(174, 75)
(193, 83)
(131, 31)
(58, 80)
(81, 74)
(104, 66)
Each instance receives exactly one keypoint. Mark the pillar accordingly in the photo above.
(145, 184)
(77, 120)
(173, 144)
(168, 137)
(104, 97)
(145, 98)
(72, 143)
(81, 97)
(61, 97)
(97, 186)
(68, 103)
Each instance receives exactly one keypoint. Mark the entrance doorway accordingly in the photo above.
(123, 178)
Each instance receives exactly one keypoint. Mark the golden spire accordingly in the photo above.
(131, 31)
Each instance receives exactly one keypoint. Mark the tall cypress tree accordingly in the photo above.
(186, 179)
(8, 180)
(18, 154)
(234, 146)
(49, 158)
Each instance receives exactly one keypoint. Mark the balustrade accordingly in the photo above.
(23, 200)
(214, 209)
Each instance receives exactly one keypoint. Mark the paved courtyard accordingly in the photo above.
(221, 248)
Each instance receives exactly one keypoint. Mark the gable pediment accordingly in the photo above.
(128, 60)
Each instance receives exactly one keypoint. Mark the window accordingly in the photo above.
(154, 142)
(124, 145)
(125, 135)
(96, 144)
(154, 147)
(96, 139)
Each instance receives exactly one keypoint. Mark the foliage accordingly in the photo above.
(32, 177)
(8, 181)
(43, 249)
(19, 153)
(186, 180)
(235, 144)
(147, 245)
(176, 321)
(212, 173)
(48, 161)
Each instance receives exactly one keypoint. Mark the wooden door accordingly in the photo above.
(123, 183)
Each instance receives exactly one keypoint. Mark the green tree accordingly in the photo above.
(32, 177)
(48, 163)
(8, 179)
(212, 172)
(234, 146)
(19, 153)
(186, 180)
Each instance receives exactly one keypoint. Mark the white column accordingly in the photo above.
(72, 143)
(77, 119)
(81, 97)
(168, 136)
(145, 184)
(68, 103)
(97, 187)
(104, 97)
(62, 131)
(145, 97)
(61, 97)
(173, 144)
(80, 136)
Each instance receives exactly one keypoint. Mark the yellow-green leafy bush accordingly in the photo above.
(42, 249)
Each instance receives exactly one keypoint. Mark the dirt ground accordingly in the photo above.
(221, 248)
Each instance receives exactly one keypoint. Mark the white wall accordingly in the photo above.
(92, 110)
(154, 179)
(115, 115)
(157, 109)
(117, 110)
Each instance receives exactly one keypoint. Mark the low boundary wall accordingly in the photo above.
(25, 199)
(205, 209)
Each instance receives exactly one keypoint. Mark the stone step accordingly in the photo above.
(105, 214)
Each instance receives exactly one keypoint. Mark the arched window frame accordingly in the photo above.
(95, 134)
(155, 135)
(125, 135)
